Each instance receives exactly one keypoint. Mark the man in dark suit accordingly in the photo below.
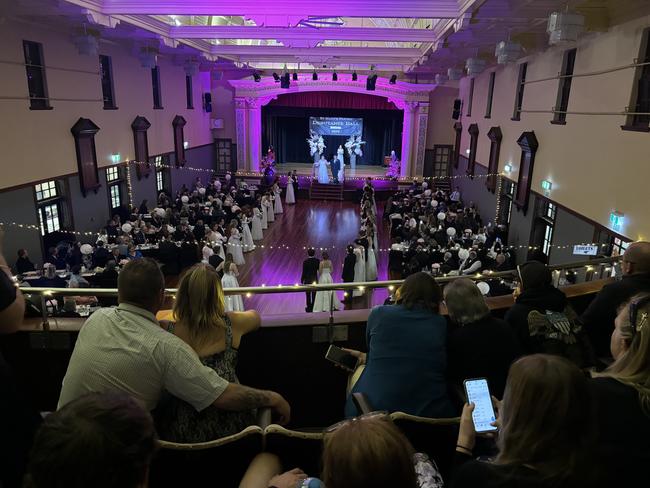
(335, 165)
(101, 255)
(348, 271)
(309, 276)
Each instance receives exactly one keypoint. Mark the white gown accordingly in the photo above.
(371, 265)
(342, 173)
(326, 299)
(270, 215)
(323, 173)
(257, 225)
(290, 197)
(278, 201)
(359, 270)
(247, 236)
(235, 248)
(233, 303)
(265, 218)
(207, 252)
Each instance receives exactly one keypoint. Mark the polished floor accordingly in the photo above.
(324, 225)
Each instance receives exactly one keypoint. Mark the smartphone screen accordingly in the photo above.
(479, 394)
(342, 358)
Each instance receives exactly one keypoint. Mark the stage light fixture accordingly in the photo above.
(393, 80)
(276, 77)
(257, 77)
(354, 76)
(335, 77)
(314, 76)
(295, 76)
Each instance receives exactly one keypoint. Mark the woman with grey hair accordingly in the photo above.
(479, 345)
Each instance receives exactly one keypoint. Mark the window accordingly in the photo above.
(521, 84)
(114, 180)
(160, 163)
(115, 195)
(48, 206)
(106, 72)
(505, 201)
(548, 240)
(510, 193)
(471, 96)
(49, 218)
(564, 88)
(155, 86)
(549, 211)
(488, 107)
(112, 174)
(36, 81)
(188, 91)
(641, 95)
(619, 246)
(45, 190)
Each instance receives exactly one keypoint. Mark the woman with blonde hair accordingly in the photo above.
(546, 431)
(200, 319)
(622, 394)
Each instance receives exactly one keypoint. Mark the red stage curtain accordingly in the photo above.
(338, 100)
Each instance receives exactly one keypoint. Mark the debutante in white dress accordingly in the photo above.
(342, 173)
(371, 264)
(216, 239)
(247, 236)
(264, 219)
(327, 298)
(268, 201)
(290, 197)
(236, 248)
(257, 225)
(277, 191)
(323, 172)
(233, 303)
(206, 252)
(359, 269)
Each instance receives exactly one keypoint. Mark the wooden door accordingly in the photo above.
(442, 159)
(224, 155)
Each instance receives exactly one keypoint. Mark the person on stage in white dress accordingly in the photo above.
(247, 236)
(342, 173)
(323, 172)
(326, 300)
(290, 197)
(277, 192)
(233, 303)
(264, 220)
(359, 269)
(267, 201)
(235, 247)
(257, 224)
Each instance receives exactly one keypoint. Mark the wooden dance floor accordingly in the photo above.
(320, 224)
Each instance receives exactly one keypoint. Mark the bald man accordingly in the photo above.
(599, 316)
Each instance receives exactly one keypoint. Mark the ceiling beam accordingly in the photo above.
(302, 33)
(329, 51)
(438, 9)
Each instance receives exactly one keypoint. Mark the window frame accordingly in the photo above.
(160, 164)
(490, 97)
(33, 69)
(633, 122)
(51, 186)
(189, 92)
(519, 95)
(156, 88)
(564, 87)
(114, 179)
(54, 199)
(107, 82)
(470, 99)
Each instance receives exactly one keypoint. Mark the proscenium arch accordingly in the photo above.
(251, 96)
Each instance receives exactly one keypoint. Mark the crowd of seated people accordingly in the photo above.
(563, 420)
(432, 232)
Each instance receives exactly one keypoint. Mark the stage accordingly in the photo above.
(307, 169)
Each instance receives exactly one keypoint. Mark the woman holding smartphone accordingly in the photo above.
(546, 430)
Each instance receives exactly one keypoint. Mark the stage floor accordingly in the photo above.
(319, 224)
(306, 169)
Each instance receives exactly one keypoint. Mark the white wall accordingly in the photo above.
(441, 104)
(594, 166)
(37, 144)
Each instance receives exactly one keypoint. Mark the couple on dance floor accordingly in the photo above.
(322, 170)
(314, 270)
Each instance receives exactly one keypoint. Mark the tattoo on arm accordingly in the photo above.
(244, 398)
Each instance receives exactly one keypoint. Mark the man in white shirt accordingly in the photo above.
(125, 349)
(455, 195)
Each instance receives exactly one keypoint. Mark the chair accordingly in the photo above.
(295, 448)
(221, 462)
(434, 437)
